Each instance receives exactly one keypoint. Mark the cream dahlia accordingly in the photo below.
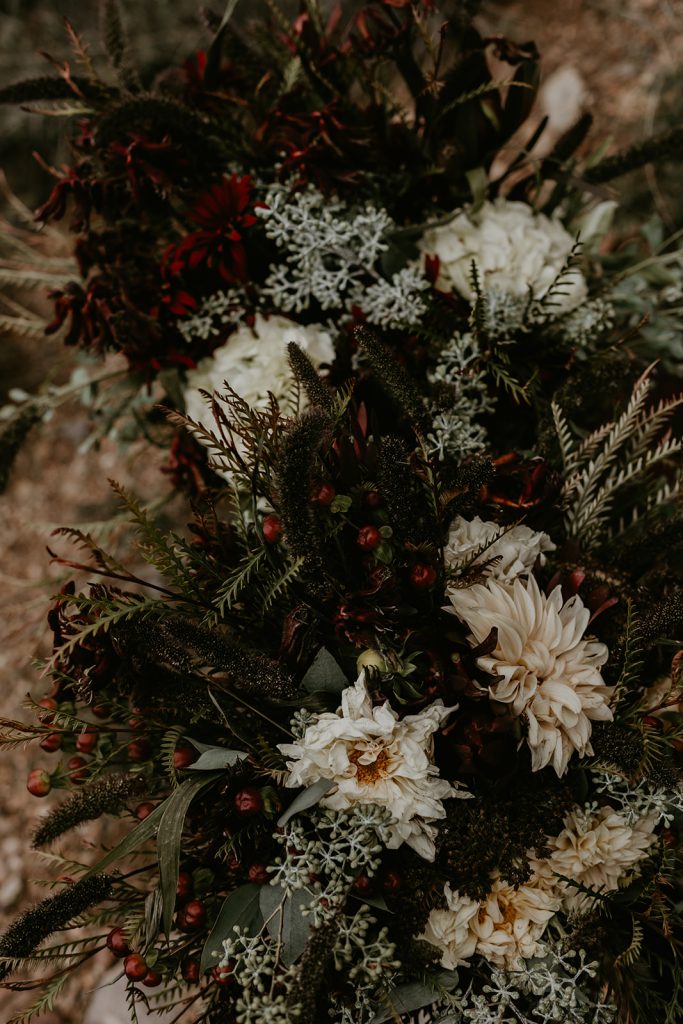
(544, 668)
(372, 756)
(515, 552)
(515, 249)
(254, 361)
(597, 848)
(503, 928)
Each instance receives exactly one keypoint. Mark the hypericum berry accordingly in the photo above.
(144, 810)
(222, 975)
(423, 577)
(272, 529)
(78, 769)
(183, 756)
(51, 742)
(51, 704)
(185, 885)
(87, 741)
(101, 710)
(325, 495)
(38, 782)
(368, 538)
(117, 942)
(249, 801)
(362, 885)
(373, 499)
(190, 971)
(135, 967)
(258, 873)
(392, 881)
(139, 750)
(192, 916)
(151, 979)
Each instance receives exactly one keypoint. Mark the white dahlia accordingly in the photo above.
(503, 928)
(516, 551)
(597, 848)
(254, 361)
(515, 249)
(374, 757)
(544, 668)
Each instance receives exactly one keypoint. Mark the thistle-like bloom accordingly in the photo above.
(503, 928)
(597, 848)
(374, 757)
(516, 551)
(544, 668)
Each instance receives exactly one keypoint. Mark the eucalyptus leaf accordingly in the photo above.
(325, 674)
(217, 757)
(169, 837)
(241, 908)
(140, 834)
(285, 921)
(308, 797)
(374, 901)
(415, 995)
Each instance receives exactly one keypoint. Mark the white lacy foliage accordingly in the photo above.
(546, 671)
(511, 553)
(456, 432)
(598, 848)
(515, 250)
(254, 361)
(505, 928)
(398, 302)
(215, 312)
(636, 802)
(372, 756)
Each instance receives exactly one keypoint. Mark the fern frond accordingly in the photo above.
(278, 584)
(167, 749)
(126, 607)
(565, 440)
(633, 950)
(45, 1002)
(634, 656)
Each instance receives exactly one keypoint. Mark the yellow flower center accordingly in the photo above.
(369, 773)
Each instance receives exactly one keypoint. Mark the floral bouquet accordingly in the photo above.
(393, 728)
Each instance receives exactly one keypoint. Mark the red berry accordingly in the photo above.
(51, 742)
(51, 704)
(101, 710)
(192, 916)
(249, 801)
(151, 979)
(183, 756)
(392, 881)
(325, 495)
(373, 499)
(272, 529)
(222, 975)
(184, 887)
(368, 538)
(87, 741)
(423, 577)
(135, 967)
(139, 750)
(78, 769)
(135, 722)
(38, 782)
(362, 885)
(144, 810)
(258, 873)
(190, 971)
(117, 942)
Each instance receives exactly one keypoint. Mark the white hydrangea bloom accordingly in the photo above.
(597, 848)
(515, 249)
(517, 550)
(545, 669)
(374, 757)
(504, 928)
(254, 361)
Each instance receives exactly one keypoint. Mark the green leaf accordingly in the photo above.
(478, 180)
(140, 834)
(168, 841)
(217, 757)
(240, 908)
(325, 674)
(308, 797)
(285, 921)
(415, 995)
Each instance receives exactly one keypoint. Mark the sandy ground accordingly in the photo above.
(615, 59)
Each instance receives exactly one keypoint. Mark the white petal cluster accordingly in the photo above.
(373, 757)
(545, 670)
(254, 361)
(503, 928)
(597, 848)
(516, 550)
(515, 249)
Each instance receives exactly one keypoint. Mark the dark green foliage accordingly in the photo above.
(393, 379)
(107, 795)
(48, 88)
(298, 459)
(665, 146)
(664, 619)
(50, 915)
(409, 513)
(318, 393)
(117, 45)
(313, 972)
(618, 746)
(12, 438)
